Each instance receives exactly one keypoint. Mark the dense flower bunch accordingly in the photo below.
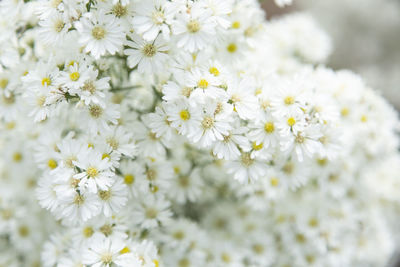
(187, 133)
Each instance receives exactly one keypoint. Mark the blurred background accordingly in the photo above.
(365, 36)
(366, 39)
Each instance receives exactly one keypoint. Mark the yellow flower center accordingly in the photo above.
(269, 127)
(105, 195)
(88, 231)
(95, 111)
(129, 179)
(193, 26)
(74, 76)
(257, 147)
(59, 25)
(106, 258)
(289, 100)
(52, 164)
(46, 81)
(119, 10)
(344, 112)
(246, 159)
(149, 50)
(236, 25)
(203, 84)
(125, 250)
(98, 33)
(274, 181)
(214, 71)
(17, 157)
(232, 48)
(3, 83)
(79, 200)
(89, 86)
(207, 122)
(184, 114)
(92, 172)
(291, 121)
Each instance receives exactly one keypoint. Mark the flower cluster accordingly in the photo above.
(187, 133)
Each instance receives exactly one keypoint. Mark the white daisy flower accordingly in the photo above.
(183, 116)
(79, 207)
(194, 29)
(99, 118)
(106, 252)
(93, 90)
(229, 147)
(264, 130)
(205, 84)
(95, 173)
(214, 125)
(153, 17)
(246, 169)
(242, 98)
(114, 198)
(54, 28)
(151, 211)
(100, 33)
(150, 56)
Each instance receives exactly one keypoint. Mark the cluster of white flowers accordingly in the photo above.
(187, 133)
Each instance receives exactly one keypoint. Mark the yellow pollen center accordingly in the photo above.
(236, 25)
(299, 139)
(291, 121)
(89, 86)
(156, 263)
(193, 26)
(274, 181)
(119, 10)
(184, 114)
(149, 50)
(269, 127)
(79, 200)
(106, 229)
(105, 155)
(92, 172)
(88, 231)
(98, 33)
(95, 111)
(257, 147)
(129, 179)
(3, 83)
(125, 250)
(344, 112)
(105, 195)
(364, 118)
(106, 258)
(23, 231)
(59, 25)
(52, 164)
(151, 213)
(214, 71)
(186, 91)
(246, 159)
(17, 157)
(203, 84)
(289, 100)
(46, 81)
(207, 122)
(74, 76)
(232, 48)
